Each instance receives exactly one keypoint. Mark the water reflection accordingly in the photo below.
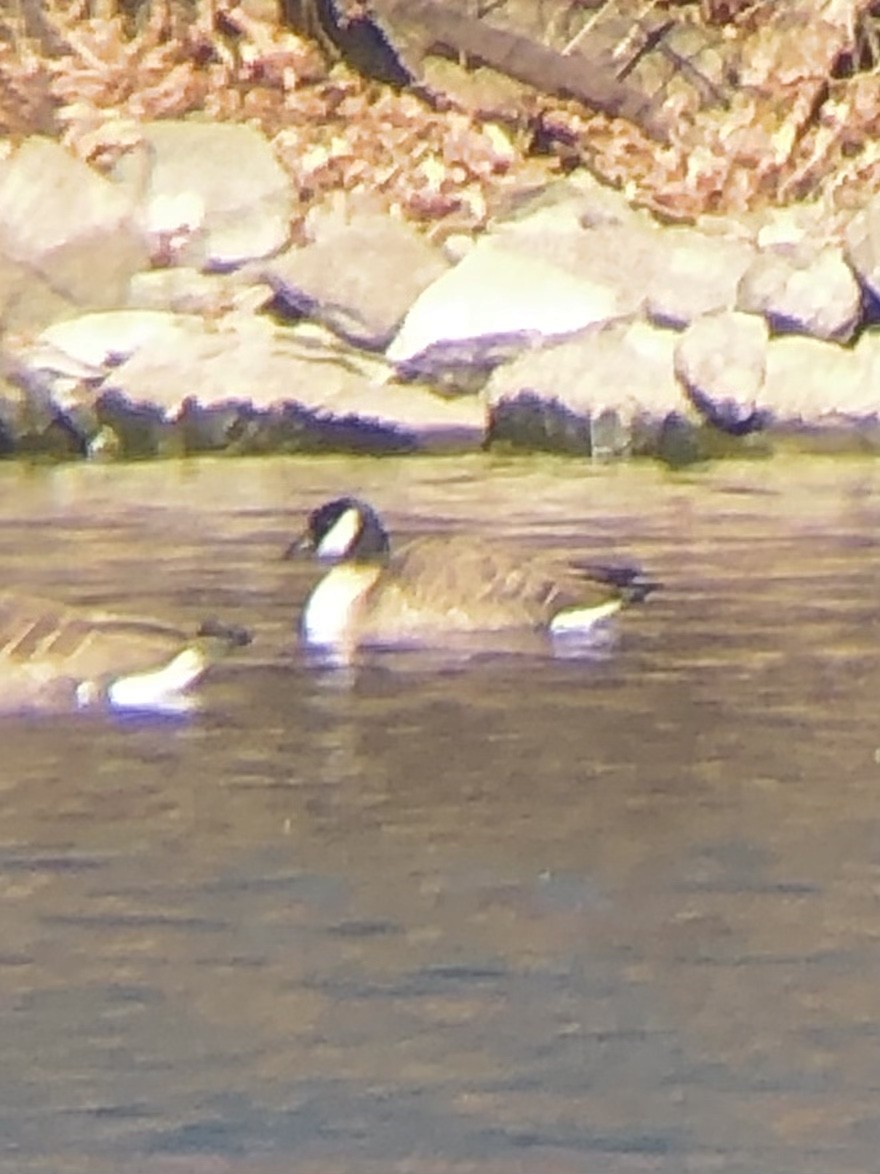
(506, 914)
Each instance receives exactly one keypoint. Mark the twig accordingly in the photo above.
(587, 28)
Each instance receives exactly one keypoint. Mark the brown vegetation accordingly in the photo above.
(804, 120)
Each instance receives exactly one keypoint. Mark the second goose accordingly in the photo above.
(58, 657)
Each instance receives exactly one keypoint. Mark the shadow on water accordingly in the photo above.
(501, 913)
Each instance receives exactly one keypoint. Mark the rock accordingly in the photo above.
(690, 273)
(31, 423)
(720, 360)
(558, 322)
(108, 338)
(578, 202)
(680, 441)
(502, 296)
(539, 275)
(805, 380)
(823, 394)
(803, 291)
(804, 224)
(674, 273)
(862, 251)
(863, 399)
(75, 361)
(68, 238)
(605, 393)
(213, 194)
(601, 204)
(526, 420)
(250, 386)
(603, 257)
(359, 280)
(142, 383)
(867, 351)
(132, 430)
(188, 291)
(574, 260)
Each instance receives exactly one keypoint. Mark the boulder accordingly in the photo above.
(801, 290)
(807, 381)
(211, 195)
(581, 201)
(604, 393)
(249, 386)
(691, 273)
(32, 421)
(674, 273)
(68, 238)
(565, 261)
(499, 295)
(862, 247)
(359, 279)
(867, 351)
(106, 339)
(720, 361)
(184, 290)
(826, 397)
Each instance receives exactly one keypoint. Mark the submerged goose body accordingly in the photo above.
(435, 587)
(54, 656)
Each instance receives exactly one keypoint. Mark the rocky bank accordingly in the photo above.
(165, 309)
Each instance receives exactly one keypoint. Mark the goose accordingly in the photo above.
(56, 656)
(434, 587)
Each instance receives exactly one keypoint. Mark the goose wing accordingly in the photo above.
(490, 585)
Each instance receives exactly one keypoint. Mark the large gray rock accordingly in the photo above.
(578, 201)
(171, 382)
(359, 279)
(863, 252)
(720, 360)
(563, 263)
(68, 238)
(803, 291)
(813, 383)
(588, 252)
(65, 370)
(500, 294)
(868, 350)
(673, 273)
(253, 387)
(30, 420)
(541, 273)
(863, 401)
(183, 290)
(140, 383)
(604, 393)
(691, 273)
(212, 195)
(107, 338)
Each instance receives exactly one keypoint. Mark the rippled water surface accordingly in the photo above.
(509, 915)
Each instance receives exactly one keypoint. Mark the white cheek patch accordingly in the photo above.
(341, 536)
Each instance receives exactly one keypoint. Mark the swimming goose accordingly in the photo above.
(53, 656)
(437, 586)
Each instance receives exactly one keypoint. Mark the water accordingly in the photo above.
(516, 915)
